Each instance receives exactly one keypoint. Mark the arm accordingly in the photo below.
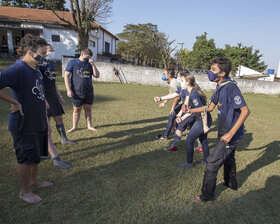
(242, 117)
(67, 84)
(96, 72)
(202, 109)
(167, 97)
(175, 102)
(16, 106)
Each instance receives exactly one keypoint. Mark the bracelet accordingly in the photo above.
(160, 99)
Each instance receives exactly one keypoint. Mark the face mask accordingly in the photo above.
(86, 60)
(39, 59)
(163, 78)
(51, 55)
(212, 76)
(183, 85)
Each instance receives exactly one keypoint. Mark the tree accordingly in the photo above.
(203, 52)
(38, 4)
(244, 55)
(84, 14)
(164, 46)
(145, 44)
(137, 43)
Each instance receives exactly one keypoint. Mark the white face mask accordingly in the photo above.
(183, 84)
(51, 55)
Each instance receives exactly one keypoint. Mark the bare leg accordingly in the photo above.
(24, 172)
(33, 178)
(87, 108)
(51, 148)
(76, 118)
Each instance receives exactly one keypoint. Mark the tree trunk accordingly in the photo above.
(82, 39)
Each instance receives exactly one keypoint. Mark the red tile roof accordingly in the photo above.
(35, 15)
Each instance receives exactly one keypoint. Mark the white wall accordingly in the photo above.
(67, 44)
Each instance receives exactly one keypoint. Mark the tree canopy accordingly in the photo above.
(205, 50)
(38, 4)
(145, 44)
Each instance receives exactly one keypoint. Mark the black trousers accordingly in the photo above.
(171, 119)
(223, 154)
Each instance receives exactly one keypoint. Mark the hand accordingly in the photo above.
(156, 98)
(91, 61)
(227, 137)
(47, 104)
(162, 105)
(16, 107)
(172, 112)
(184, 108)
(70, 94)
(178, 120)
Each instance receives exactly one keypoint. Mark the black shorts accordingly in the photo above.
(187, 123)
(78, 101)
(55, 108)
(30, 148)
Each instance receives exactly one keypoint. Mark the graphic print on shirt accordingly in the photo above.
(195, 102)
(82, 73)
(49, 74)
(39, 74)
(37, 90)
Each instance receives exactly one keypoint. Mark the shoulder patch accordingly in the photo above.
(237, 100)
(195, 102)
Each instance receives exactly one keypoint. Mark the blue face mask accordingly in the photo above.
(86, 60)
(163, 78)
(212, 76)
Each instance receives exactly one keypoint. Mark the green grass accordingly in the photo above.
(121, 174)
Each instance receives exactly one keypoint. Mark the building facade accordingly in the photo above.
(16, 22)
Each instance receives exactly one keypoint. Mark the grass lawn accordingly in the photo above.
(121, 174)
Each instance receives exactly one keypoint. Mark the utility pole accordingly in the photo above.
(182, 45)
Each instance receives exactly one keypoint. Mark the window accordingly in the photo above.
(55, 38)
(107, 47)
(91, 43)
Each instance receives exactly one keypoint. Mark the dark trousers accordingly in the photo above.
(171, 119)
(223, 154)
(196, 132)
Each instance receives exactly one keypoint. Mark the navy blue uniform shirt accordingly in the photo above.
(229, 100)
(49, 76)
(81, 79)
(198, 101)
(27, 88)
(183, 93)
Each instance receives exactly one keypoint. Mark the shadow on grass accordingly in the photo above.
(268, 156)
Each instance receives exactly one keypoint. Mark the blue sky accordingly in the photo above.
(252, 22)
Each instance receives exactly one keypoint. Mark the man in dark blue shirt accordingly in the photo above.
(79, 87)
(232, 112)
(27, 122)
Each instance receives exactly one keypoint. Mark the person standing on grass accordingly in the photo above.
(187, 123)
(27, 121)
(169, 76)
(78, 82)
(53, 95)
(232, 112)
(55, 110)
(196, 99)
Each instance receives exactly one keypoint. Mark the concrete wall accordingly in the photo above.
(152, 76)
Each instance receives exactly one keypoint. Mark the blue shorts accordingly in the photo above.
(30, 148)
(78, 101)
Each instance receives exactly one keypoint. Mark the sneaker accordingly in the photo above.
(171, 149)
(186, 164)
(201, 161)
(161, 137)
(199, 149)
(60, 164)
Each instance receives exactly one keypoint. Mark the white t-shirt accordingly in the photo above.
(174, 85)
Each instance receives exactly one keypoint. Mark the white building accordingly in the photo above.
(16, 22)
